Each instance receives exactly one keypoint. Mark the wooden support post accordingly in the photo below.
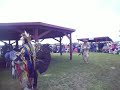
(60, 46)
(17, 44)
(36, 35)
(70, 38)
(9, 42)
(70, 47)
(9, 45)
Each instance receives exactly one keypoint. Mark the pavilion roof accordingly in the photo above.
(96, 39)
(12, 31)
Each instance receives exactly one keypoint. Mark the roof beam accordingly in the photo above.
(68, 35)
(41, 40)
(3, 42)
(56, 39)
(43, 34)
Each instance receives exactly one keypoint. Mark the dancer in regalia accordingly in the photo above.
(26, 71)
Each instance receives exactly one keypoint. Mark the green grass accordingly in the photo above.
(64, 74)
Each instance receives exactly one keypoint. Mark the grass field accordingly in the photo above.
(102, 73)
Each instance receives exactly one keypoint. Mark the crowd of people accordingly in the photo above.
(105, 47)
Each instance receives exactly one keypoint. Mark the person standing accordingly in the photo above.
(85, 50)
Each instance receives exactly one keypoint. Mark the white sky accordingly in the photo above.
(90, 18)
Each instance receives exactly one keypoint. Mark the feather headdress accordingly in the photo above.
(26, 35)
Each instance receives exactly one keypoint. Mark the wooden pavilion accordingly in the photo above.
(38, 30)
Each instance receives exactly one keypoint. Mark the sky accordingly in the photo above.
(90, 18)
